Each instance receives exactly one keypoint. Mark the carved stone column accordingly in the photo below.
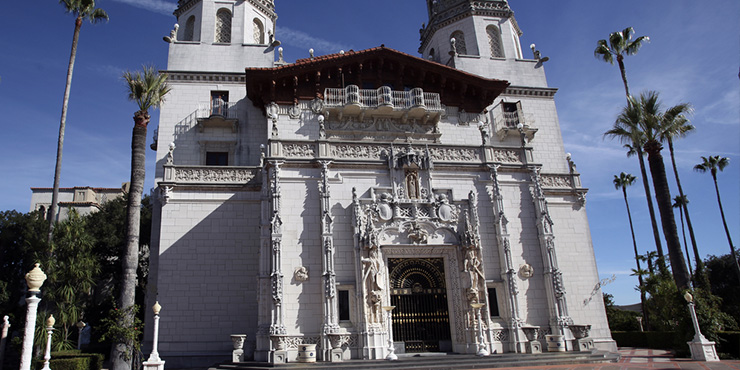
(470, 245)
(559, 318)
(331, 315)
(277, 326)
(507, 265)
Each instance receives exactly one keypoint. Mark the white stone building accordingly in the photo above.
(301, 198)
(83, 199)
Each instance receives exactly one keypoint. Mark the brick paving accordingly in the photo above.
(639, 358)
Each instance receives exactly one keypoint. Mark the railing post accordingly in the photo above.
(3, 340)
(49, 330)
(154, 362)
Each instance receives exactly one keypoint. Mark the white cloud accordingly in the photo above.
(301, 39)
(157, 6)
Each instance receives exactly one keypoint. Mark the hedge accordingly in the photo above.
(72, 360)
(728, 344)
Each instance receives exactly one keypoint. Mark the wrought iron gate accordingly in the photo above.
(421, 318)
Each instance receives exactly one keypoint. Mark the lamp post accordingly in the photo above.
(3, 339)
(482, 351)
(34, 279)
(154, 362)
(49, 330)
(391, 349)
(80, 326)
(701, 348)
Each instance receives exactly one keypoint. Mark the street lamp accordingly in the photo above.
(701, 348)
(49, 330)
(80, 326)
(34, 279)
(391, 349)
(482, 351)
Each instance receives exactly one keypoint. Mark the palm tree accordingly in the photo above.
(619, 45)
(712, 164)
(148, 89)
(678, 126)
(622, 182)
(83, 10)
(652, 125)
(626, 129)
(679, 202)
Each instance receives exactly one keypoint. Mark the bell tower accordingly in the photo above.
(481, 29)
(222, 35)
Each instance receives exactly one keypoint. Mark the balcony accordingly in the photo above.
(514, 123)
(217, 114)
(414, 104)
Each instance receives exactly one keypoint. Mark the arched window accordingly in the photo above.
(431, 54)
(189, 29)
(259, 32)
(223, 26)
(494, 40)
(459, 42)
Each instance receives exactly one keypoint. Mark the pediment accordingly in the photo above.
(308, 78)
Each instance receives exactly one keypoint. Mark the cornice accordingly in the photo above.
(183, 6)
(199, 77)
(461, 11)
(544, 92)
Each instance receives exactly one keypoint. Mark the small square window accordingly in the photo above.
(217, 158)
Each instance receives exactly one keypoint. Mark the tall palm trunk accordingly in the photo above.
(685, 245)
(623, 71)
(637, 261)
(653, 221)
(121, 353)
(724, 223)
(667, 218)
(702, 280)
(62, 124)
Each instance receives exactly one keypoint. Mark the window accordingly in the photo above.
(493, 302)
(343, 298)
(217, 158)
(219, 103)
(259, 32)
(494, 40)
(511, 114)
(431, 54)
(459, 42)
(189, 34)
(223, 26)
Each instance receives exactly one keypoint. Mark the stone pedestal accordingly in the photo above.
(555, 343)
(534, 346)
(153, 365)
(581, 333)
(585, 345)
(336, 355)
(703, 350)
(279, 357)
(237, 354)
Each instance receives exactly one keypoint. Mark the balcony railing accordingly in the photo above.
(382, 97)
(225, 110)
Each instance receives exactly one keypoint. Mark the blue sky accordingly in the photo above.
(693, 57)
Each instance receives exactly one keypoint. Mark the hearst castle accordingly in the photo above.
(299, 201)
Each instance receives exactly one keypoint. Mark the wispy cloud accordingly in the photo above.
(157, 6)
(301, 39)
(107, 70)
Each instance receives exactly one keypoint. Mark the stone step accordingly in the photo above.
(441, 361)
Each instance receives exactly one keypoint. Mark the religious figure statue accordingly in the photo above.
(472, 266)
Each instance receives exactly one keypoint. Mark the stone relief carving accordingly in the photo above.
(220, 175)
(300, 273)
(454, 154)
(299, 150)
(416, 233)
(526, 271)
(357, 151)
(506, 156)
(556, 181)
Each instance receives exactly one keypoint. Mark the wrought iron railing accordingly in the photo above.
(218, 109)
(382, 97)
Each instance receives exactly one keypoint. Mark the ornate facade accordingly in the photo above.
(301, 201)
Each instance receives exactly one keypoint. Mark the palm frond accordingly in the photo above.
(146, 87)
(602, 52)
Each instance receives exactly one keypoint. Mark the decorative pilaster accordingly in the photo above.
(331, 309)
(507, 265)
(277, 326)
(473, 264)
(559, 318)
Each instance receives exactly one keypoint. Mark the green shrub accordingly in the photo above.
(645, 339)
(729, 343)
(72, 360)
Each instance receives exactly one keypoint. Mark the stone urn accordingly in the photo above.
(35, 279)
(580, 331)
(278, 341)
(238, 340)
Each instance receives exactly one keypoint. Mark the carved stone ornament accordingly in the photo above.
(385, 212)
(238, 340)
(35, 278)
(580, 331)
(317, 106)
(300, 273)
(416, 233)
(294, 112)
(526, 271)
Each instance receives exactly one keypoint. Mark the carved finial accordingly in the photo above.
(280, 53)
(453, 48)
(310, 53)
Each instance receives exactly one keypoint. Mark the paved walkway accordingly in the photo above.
(638, 358)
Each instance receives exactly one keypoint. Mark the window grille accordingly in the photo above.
(460, 42)
(259, 32)
(223, 26)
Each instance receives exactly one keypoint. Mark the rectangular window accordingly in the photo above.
(343, 297)
(511, 114)
(217, 158)
(493, 302)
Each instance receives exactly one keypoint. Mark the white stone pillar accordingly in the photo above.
(3, 340)
(701, 348)
(49, 331)
(482, 351)
(80, 326)
(391, 348)
(34, 279)
(154, 362)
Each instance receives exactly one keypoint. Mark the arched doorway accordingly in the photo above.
(421, 319)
